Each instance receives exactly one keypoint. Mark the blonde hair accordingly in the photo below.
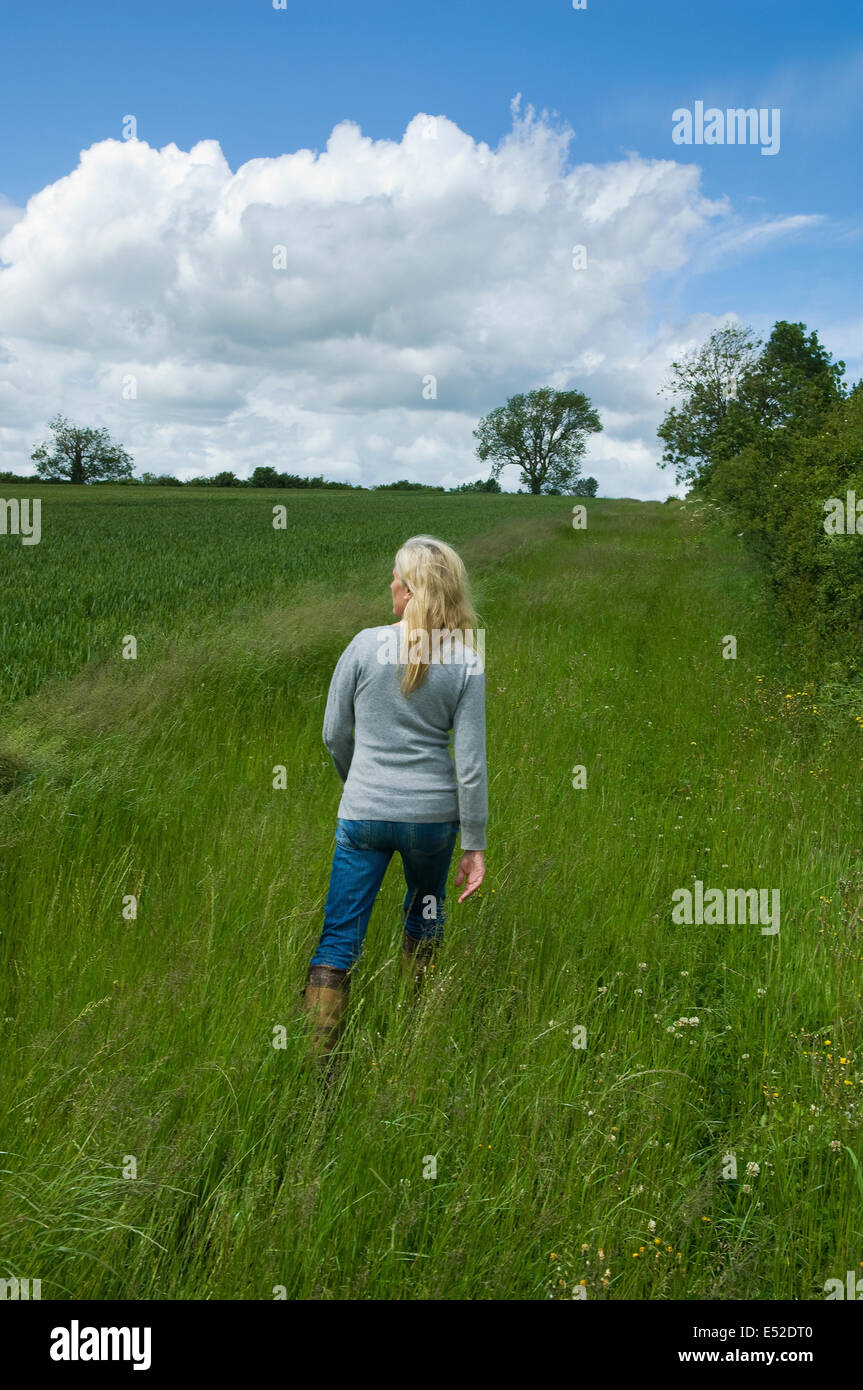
(440, 600)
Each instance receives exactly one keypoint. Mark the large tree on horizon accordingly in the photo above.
(80, 455)
(543, 433)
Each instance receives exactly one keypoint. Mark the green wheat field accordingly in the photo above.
(156, 1144)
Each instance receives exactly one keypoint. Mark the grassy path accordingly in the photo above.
(152, 1039)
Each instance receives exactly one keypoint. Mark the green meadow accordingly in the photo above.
(588, 1095)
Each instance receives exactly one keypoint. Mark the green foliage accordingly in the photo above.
(479, 485)
(80, 455)
(543, 433)
(403, 485)
(266, 476)
(708, 380)
(787, 437)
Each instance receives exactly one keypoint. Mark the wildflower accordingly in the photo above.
(761, 993)
(746, 1187)
(752, 1170)
(651, 1226)
(834, 1144)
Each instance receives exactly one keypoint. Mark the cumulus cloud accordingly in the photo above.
(351, 312)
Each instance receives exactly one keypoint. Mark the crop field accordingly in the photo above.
(591, 1097)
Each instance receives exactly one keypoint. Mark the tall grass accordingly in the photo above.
(152, 1039)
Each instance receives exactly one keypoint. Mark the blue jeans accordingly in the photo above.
(363, 851)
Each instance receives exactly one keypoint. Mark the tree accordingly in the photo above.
(543, 433)
(265, 476)
(80, 455)
(794, 381)
(585, 487)
(479, 485)
(404, 485)
(708, 380)
(738, 402)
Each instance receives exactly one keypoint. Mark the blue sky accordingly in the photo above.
(264, 82)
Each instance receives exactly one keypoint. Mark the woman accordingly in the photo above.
(396, 693)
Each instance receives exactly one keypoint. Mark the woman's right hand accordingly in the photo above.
(471, 872)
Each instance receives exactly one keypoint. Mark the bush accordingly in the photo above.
(816, 578)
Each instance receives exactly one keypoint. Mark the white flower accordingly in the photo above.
(651, 1226)
(752, 1170)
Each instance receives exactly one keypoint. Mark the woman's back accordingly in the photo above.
(392, 749)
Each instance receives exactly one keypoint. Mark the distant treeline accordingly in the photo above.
(773, 435)
(269, 477)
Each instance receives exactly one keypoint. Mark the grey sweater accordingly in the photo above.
(392, 750)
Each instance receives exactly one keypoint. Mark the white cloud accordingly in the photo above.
(432, 255)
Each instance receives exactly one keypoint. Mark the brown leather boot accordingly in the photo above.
(416, 955)
(326, 996)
